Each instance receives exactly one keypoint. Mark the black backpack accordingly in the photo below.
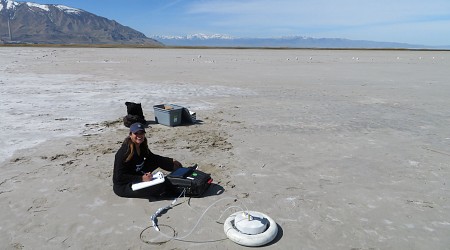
(130, 119)
(134, 114)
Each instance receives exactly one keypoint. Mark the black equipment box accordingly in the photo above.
(194, 181)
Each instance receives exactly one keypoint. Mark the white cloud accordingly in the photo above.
(322, 12)
(339, 17)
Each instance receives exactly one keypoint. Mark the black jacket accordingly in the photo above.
(127, 172)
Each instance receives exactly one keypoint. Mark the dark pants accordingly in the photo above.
(145, 193)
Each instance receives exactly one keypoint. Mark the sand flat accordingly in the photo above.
(344, 149)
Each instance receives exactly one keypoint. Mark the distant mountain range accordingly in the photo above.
(26, 22)
(218, 40)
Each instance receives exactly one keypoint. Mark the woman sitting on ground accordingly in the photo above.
(134, 162)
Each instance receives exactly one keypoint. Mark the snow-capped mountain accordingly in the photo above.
(27, 22)
(199, 36)
(218, 40)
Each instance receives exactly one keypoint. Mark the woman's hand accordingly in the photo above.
(176, 165)
(147, 176)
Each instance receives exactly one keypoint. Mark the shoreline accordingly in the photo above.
(139, 46)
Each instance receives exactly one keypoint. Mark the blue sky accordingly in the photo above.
(424, 22)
